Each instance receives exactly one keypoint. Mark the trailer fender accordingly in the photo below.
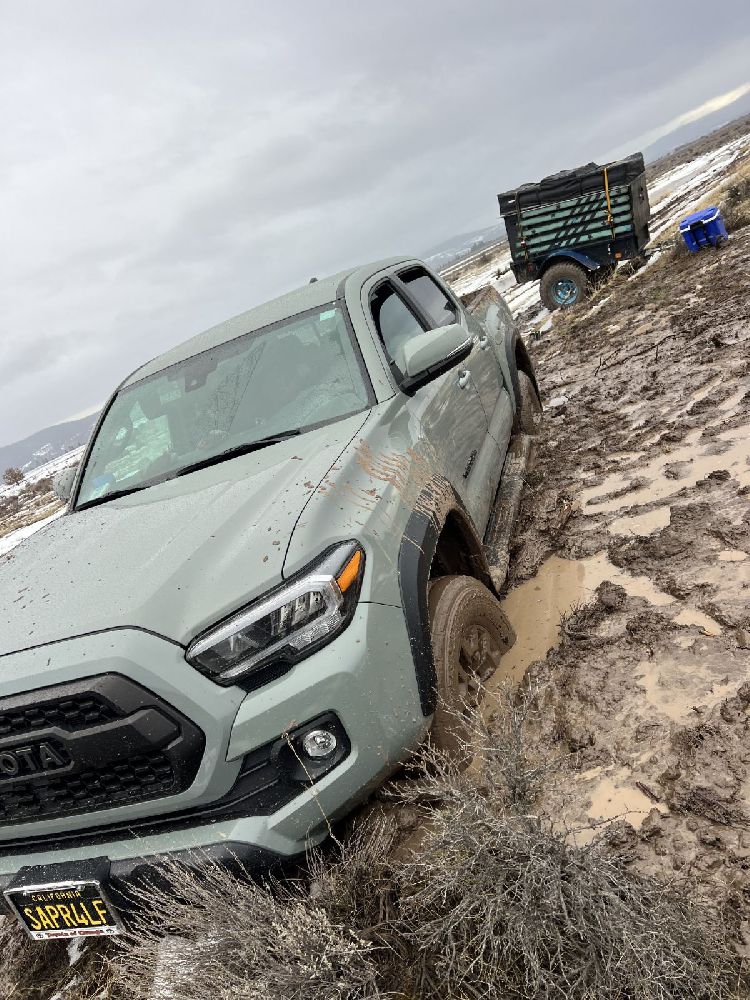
(575, 255)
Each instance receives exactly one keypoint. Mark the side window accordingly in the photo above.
(430, 297)
(395, 322)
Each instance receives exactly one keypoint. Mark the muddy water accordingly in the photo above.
(609, 799)
(736, 459)
(691, 616)
(536, 606)
(675, 688)
(732, 555)
(642, 524)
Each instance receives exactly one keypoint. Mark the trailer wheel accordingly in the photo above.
(563, 285)
(470, 634)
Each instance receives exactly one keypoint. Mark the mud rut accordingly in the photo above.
(636, 527)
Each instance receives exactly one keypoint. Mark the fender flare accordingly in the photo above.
(575, 255)
(435, 504)
(514, 346)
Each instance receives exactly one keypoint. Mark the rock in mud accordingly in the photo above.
(652, 826)
(611, 596)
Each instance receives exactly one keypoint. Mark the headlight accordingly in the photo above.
(286, 625)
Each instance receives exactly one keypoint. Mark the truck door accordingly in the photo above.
(448, 408)
(440, 308)
(492, 329)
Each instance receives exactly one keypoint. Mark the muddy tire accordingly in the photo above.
(529, 413)
(470, 635)
(563, 285)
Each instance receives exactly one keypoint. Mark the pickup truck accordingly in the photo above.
(273, 580)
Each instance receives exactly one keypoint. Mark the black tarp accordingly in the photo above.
(571, 183)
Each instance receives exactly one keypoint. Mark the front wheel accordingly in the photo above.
(563, 285)
(470, 635)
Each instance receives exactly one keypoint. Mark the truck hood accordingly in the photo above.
(173, 559)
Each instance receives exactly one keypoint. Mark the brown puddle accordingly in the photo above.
(735, 459)
(691, 616)
(642, 524)
(732, 555)
(678, 688)
(734, 400)
(610, 799)
(536, 606)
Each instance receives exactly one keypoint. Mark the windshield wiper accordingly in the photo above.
(112, 495)
(203, 463)
(240, 449)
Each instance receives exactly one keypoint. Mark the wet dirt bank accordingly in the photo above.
(630, 575)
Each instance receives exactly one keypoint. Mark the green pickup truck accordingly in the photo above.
(276, 575)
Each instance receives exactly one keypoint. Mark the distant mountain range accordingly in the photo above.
(42, 447)
(696, 130)
(457, 247)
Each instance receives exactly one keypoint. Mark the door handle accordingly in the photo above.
(463, 379)
(484, 343)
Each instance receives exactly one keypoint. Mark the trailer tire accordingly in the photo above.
(470, 633)
(564, 285)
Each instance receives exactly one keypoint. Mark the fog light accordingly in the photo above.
(319, 743)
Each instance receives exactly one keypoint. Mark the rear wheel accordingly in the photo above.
(563, 285)
(470, 634)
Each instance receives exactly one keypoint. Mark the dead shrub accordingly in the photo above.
(232, 939)
(736, 204)
(501, 905)
(31, 970)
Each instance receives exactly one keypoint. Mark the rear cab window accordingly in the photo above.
(430, 297)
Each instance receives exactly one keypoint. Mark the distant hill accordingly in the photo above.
(46, 444)
(697, 129)
(457, 247)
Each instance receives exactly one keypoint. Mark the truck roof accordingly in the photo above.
(316, 293)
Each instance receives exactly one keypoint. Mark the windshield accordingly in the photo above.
(285, 378)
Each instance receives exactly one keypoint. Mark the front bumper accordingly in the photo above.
(365, 678)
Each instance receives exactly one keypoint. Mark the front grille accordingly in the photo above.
(92, 745)
(144, 777)
(78, 712)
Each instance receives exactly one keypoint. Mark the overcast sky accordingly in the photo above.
(164, 165)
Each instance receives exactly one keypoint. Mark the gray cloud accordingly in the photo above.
(166, 165)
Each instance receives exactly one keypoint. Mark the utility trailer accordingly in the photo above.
(571, 229)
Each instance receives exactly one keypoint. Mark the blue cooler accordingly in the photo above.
(702, 229)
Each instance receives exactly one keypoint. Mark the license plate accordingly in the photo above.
(63, 910)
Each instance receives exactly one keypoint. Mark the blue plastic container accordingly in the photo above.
(702, 229)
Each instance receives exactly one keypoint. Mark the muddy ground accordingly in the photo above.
(630, 576)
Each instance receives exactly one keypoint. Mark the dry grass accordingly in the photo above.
(491, 902)
(732, 196)
(33, 971)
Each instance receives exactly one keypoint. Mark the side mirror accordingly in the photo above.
(435, 348)
(62, 484)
